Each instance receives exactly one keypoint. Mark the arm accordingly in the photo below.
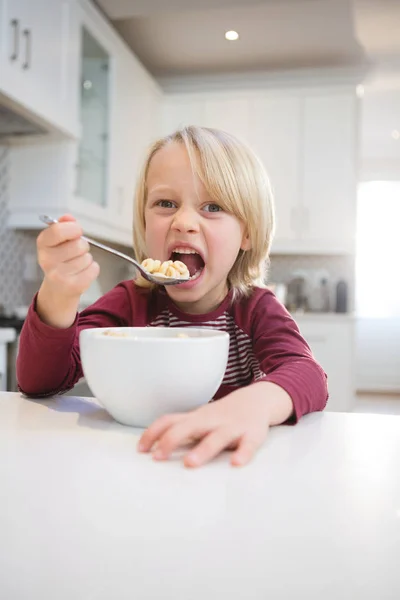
(48, 360)
(285, 358)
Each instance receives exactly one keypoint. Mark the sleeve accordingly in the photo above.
(285, 357)
(48, 360)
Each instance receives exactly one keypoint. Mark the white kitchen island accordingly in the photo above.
(83, 516)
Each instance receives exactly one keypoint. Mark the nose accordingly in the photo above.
(186, 220)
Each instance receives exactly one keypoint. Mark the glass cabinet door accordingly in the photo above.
(92, 176)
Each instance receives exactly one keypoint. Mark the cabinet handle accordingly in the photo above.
(28, 47)
(15, 27)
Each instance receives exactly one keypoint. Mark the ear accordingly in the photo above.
(246, 243)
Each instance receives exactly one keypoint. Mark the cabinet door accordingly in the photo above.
(93, 165)
(332, 343)
(229, 112)
(329, 160)
(15, 16)
(180, 110)
(96, 51)
(275, 136)
(33, 55)
(135, 126)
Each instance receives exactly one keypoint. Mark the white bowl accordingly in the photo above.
(141, 373)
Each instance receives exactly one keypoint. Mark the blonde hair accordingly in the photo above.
(234, 178)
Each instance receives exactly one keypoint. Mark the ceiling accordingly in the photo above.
(186, 37)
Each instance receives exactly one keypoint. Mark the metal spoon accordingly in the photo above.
(154, 278)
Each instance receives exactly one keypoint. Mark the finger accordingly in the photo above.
(75, 273)
(156, 430)
(247, 448)
(75, 266)
(81, 282)
(50, 259)
(210, 446)
(58, 233)
(180, 434)
(87, 274)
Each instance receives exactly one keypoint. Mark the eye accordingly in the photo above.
(166, 204)
(212, 208)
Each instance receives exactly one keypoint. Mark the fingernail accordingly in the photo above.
(140, 447)
(192, 459)
(158, 455)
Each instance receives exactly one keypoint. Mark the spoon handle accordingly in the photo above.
(50, 221)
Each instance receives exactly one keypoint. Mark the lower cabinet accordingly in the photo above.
(331, 339)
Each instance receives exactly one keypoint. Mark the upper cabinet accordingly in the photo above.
(116, 107)
(330, 169)
(275, 135)
(65, 66)
(308, 141)
(93, 157)
(33, 59)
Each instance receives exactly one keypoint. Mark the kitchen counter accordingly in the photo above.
(324, 316)
(84, 516)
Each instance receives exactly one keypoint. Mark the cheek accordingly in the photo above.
(225, 242)
(154, 233)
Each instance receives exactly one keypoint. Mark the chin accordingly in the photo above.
(196, 291)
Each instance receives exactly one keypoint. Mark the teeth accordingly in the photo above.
(184, 251)
(196, 275)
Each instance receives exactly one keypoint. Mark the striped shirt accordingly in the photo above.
(243, 366)
(265, 343)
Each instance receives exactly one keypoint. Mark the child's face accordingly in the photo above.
(181, 215)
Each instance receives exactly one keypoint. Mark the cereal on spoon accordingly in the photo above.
(168, 268)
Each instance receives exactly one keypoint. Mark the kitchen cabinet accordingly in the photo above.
(329, 168)
(232, 117)
(332, 341)
(135, 125)
(307, 140)
(33, 59)
(180, 110)
(275, 129)
(117, 107)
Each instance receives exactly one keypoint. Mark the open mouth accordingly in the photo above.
(191, 259)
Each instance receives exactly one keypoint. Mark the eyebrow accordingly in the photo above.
(160, 188)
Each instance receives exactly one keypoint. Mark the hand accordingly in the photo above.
(68, 269)
(65, 258)
(239, 421)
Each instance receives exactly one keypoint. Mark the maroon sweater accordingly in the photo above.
(265, 343)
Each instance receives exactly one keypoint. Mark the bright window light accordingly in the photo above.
(378, 249)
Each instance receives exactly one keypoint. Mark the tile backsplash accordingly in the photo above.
(14, 246)
(314, 268)
(20, 275)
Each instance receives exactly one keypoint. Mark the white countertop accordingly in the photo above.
(83, 516)
(323, 316)
(7, 334)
